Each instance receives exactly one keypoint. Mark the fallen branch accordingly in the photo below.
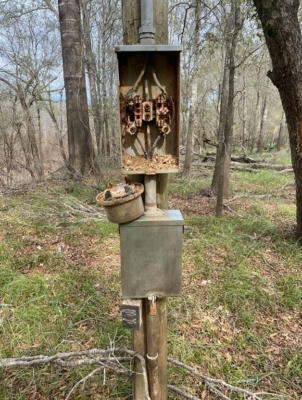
(227, 207)
(58, 359)
(59, 208)
(69, 206)
(245, 159)
(83, 381)
(244, 164)
(264, 165)
(107, 359)
(249, 196)
(235, 166)
(212, 382)
(209, 141)
(186, 395)
(241, 159)
(287, 185)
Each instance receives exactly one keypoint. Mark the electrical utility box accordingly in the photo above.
(151, 255)
(149, 96)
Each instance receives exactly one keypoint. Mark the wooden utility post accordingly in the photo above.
(153, 332)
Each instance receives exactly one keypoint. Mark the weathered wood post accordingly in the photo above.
(131, 24)
(151, 339)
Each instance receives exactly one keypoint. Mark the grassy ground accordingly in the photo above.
(238, 318)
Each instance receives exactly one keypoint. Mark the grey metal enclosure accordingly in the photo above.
(151, 255)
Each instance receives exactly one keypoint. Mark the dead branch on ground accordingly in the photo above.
(66, 206)
(186, 395)
(58, 208)
(216, 385)
(113, 358)
(108, 360)
(249, 196)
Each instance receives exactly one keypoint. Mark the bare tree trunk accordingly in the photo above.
(224, 95)
(112, 130)
(92, 72)
(58, 130)
(99, 90)
(81, 154)
(104, 96)
(280, 138)
(192, 112)
(263, 117)
(226, 148)
(220, 183)
(17, 126)
(282, 32)
(8, 151)
(253, 130)
(31, 136)
(189, 144)
(40, 139)
(243, 117)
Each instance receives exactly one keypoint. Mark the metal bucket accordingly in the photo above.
(125, 209)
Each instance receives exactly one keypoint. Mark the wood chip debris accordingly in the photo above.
(158, 162)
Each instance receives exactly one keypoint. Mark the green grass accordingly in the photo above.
(184, 186)
(290, 291)
(260, 182)
(281, 157)
(237, 317)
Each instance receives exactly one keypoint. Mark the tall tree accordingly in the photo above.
(92, 72)
(279, 20)
(28, 61)
(280, 138)
(193, 100)
(81, 153)
(220, 182)
(263, 117)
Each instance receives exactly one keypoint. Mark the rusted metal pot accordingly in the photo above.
(123, 208)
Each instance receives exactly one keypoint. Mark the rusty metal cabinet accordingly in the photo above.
(149, 97)
(151, 255)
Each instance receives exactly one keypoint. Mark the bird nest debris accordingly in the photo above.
(118, 194)
(156, 164)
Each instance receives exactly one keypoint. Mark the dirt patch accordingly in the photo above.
(192, 203)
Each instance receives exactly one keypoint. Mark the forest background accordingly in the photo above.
(239, 317)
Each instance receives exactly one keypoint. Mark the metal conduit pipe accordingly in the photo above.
(150, 192)
(147, 30)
